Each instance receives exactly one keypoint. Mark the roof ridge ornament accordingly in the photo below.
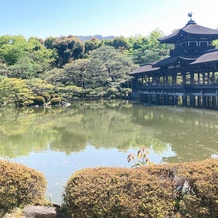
(190, 21)
(190, 15)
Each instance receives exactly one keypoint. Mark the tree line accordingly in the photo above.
(68, 67)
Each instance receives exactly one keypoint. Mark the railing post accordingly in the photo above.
(184, 100)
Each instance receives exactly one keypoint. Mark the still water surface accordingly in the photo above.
(59, 141)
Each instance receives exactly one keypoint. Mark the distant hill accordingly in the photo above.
(100, 37)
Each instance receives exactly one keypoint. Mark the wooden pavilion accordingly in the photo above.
(188, 77)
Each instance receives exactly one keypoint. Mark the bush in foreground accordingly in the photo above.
(20, 186)
(169, 190)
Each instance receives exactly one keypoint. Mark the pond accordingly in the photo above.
(59, 141)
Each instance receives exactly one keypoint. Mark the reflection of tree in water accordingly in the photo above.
(24, 130)
(104, 124)
(109, 124)
(191, 133)
(69, 142)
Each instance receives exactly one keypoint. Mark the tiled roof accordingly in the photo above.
(210, 56)
(174, 60)
(207, 58)
(144, 69)
(191, 29)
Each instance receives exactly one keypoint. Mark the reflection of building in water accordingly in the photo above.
(192, 134)
(189, 77)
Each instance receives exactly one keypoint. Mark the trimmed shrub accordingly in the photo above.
(55, 101)
(203, 184)
(126, 92)
(117, 192)
(46, 96)
(169, 190)
(39, 100)
(20, 186)
(63, 99)
(112, 92)
(54, 96)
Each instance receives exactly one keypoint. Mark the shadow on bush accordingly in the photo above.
(20, 186)
(168, 190)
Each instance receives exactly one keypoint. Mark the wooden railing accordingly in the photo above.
(190, 49)
(177, 86)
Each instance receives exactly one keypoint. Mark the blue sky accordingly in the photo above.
(44, 18)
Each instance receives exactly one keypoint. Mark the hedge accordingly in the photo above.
(167, 190)
(20, 186)
(55, 101)
(39, 100)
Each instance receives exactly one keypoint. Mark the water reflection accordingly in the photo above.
(193, 134)
(59, 141)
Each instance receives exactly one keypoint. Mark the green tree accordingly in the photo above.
(12, 48)
(76, 72)
(148, 56)
(153, 42)
(139, 42)
(67, 48)
(40, 54)
(32, 64)
(4, 71)
(215, 43)
(35, 43)
(39, 86)
(92, 44)
(24, 68)
(148, 49)
(120, 43)
(13, 89)
(25, 58)
(108, 68)
(55, 76)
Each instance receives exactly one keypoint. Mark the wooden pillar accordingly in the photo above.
(210, 102)
(213, 102)
(192, 100)
(158, 80)
(149, 98)
(192, 78)
(162, 99)
(155, 98)
(134, 83)
(184, 77)
(216, 102)
(184, 100)
(167, 82)
(164, 80)
(173, 79)
(157, 101)
(144, 98)
(165, 99)
(199, 101)
(204, 103)
(207, 101)
(175, 100)
(198, 78)
(176, 78)
(213, 77)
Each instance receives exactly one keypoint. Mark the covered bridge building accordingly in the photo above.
(188, 77)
